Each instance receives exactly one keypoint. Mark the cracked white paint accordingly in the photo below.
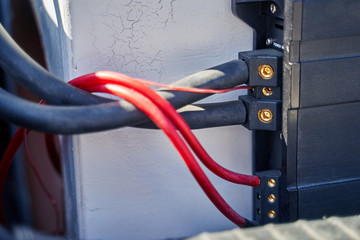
(131, 183)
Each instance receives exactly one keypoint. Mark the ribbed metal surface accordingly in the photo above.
(330, 228)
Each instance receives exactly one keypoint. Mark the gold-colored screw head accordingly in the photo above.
(266, 71)
(272, 214)
(271, 198)
(267, 91)
(271, 182)
(265, 115)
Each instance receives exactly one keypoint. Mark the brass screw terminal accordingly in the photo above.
(266, 71)
(271, 182)
(267, 91)
(272, 214)
(271, 198)
(265, 115)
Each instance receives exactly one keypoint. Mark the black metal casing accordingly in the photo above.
(319, 151)
(321, 69)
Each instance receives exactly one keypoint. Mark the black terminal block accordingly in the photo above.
(262, 114)
(264, 102)
(265, 67)
(267, 197)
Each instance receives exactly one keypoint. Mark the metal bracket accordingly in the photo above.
(266, 17)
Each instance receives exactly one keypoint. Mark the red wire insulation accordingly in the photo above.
(164, 123)
(105, 77)
(42, 185)
(5, 164)
(108, 77)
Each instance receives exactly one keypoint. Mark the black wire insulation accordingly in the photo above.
(83, 119)
(210, 115)
(54, 91)
(64, 119)
(36, 79)
(112, 115)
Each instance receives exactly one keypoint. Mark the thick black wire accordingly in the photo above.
(36, 79)
(112, 115)
(84, 119)
(54, 91)
(63, 119)
(210, 115)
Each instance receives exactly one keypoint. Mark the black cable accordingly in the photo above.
(65, 119)
(83, 119)
(36, 79)
(210, 115)
(39, 81)
(54, 91)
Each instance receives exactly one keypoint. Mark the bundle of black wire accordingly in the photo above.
(102, 114)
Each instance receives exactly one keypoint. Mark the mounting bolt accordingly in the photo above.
(271, 198)
(269, 41)
(265, 115)
(273, 8)
(272, 214)
(267, 91)
(271, 182)
(266, 71)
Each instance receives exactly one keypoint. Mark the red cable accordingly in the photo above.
(5, 164)
(117, 78)
(106, 77)
(42, 185)
(164, 123)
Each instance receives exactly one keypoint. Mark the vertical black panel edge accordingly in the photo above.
(291, 97)
(291, 165)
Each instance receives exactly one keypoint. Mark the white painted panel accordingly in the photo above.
(131, 184)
